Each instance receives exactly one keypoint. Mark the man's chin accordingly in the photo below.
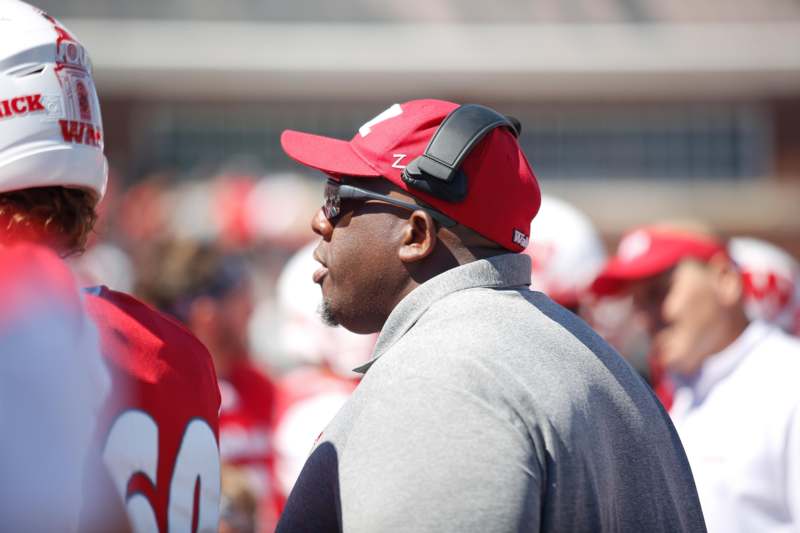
(364, 323)
(326, 313)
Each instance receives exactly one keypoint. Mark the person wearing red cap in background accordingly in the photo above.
(158, 428)
(736, 403)
(485, 406)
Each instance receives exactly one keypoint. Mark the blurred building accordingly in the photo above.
(633, 110)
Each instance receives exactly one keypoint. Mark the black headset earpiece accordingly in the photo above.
(438, 171)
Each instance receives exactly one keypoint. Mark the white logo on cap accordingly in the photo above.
(634, 245)
(397, 159)
(520, 238)
(394, 111)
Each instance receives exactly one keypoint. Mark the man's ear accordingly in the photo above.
(727, 279)
(419, 237)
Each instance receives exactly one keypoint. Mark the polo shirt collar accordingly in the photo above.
(499, 272)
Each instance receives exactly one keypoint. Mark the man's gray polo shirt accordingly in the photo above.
(487, 407)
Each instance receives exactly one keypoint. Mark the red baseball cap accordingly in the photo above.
(502, 194)
(649, 251)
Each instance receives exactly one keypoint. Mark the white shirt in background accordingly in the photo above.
(739, 421)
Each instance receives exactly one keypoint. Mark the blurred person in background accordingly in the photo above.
(211, 292)
(566, 252)
(158, 428)
(238, 505)
(736, 403)
(485, 406)
(321, 378)
(53, 387)
(771, 279)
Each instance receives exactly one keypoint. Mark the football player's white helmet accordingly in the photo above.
(51, 131)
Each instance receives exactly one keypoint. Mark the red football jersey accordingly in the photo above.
(160, 428)
(245, 431)
(245, 418)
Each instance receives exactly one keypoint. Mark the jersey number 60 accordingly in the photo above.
(132, 449)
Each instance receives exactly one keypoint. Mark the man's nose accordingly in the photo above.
(321, 225)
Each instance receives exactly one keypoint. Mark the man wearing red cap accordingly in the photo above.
(485, 406)
(736, 403)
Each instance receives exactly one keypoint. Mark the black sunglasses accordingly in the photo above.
(336, 192)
